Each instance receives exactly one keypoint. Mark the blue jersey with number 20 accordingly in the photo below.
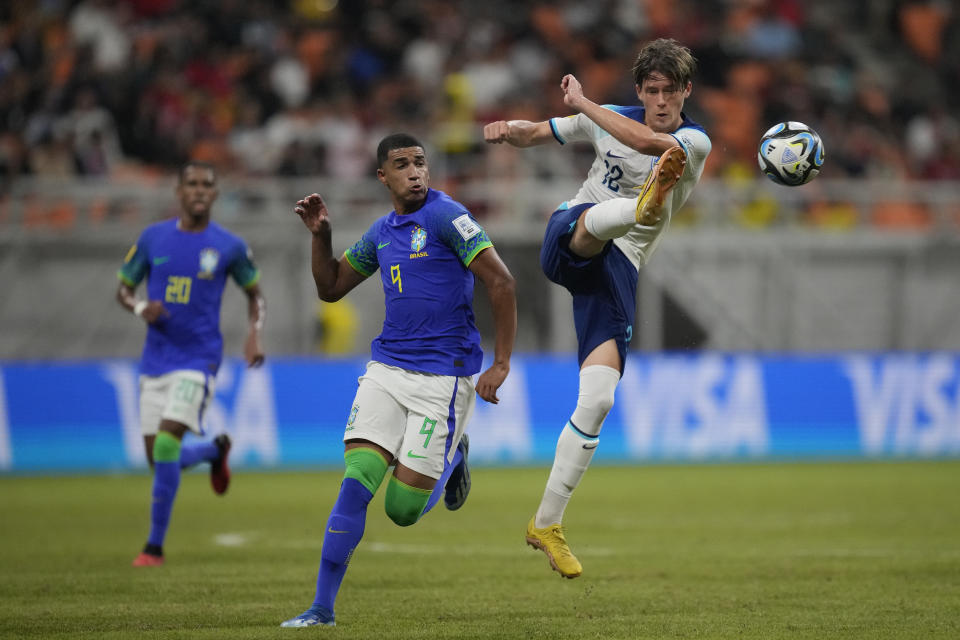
(428, 290)
(186, 271)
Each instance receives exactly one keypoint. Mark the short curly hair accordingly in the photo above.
(395, 141)
(668, 57)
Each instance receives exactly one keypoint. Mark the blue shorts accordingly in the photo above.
(604, 287)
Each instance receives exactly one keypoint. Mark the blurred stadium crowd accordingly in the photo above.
(306, 87)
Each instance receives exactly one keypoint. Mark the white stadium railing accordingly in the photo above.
(833, 265)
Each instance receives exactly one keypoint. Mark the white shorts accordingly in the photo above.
(418, 417)
(181, 396)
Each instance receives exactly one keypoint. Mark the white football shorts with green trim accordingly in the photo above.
(182, 396)
(418, 417)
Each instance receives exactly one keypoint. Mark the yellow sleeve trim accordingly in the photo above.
(125, 280)
(254, 280)
(476, 251)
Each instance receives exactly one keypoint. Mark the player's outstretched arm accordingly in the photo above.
(635, 135)
(334, 278)
(149, 310)
(519, 133)
(501, 288)
(256, 316)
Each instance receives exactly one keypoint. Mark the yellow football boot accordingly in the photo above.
(664, 175)
(550, 540)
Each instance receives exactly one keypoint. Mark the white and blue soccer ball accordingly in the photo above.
(791, 153)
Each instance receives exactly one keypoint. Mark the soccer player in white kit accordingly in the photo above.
(596, 242)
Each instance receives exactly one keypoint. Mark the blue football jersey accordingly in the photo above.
(428, 290)
(187, 271)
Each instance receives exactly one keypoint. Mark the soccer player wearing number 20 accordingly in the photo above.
(417, 394)
(186, 262)
(596, 242)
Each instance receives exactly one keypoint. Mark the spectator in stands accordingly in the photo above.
(168, 73)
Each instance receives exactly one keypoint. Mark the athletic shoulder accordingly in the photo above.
(226, 234)
(694, 131)
(376, 225)
(635, 113)
(446, 215)
(441, 207)
(694, 139)
(457, 228)
(159, 228)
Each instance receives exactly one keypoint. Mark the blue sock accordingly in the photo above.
(166, 480)
(439, 488)
(343, 533)
(195, 453)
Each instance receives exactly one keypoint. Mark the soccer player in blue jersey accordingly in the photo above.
(417, 394)
(186, 262)
(596, 242)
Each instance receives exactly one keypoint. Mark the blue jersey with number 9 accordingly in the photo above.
(423, 259)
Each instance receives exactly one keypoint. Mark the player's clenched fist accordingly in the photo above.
(496, 132)
(572, 91)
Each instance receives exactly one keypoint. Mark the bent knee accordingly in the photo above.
(600, 402)
(598, 386)
(402, 516)
(404, 503)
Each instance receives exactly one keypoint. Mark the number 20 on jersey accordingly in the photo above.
(178, 289)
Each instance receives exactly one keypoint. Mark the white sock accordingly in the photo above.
(611, 218)
(569, 465)
(577, 442)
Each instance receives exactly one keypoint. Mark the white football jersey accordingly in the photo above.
(619, 171)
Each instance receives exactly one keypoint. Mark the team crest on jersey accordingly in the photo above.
(353, 416)
(208, 263)
(418, 240)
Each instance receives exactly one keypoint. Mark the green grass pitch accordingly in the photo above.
(824, 551)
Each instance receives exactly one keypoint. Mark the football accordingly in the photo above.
(791, 153)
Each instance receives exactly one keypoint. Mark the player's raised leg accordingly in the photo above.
(616, 217)
(575, 448)
(194, 454)
(457, 486)
(453, 485)
(215, 452)
(407, 494)
(663, 177)
(219, 469)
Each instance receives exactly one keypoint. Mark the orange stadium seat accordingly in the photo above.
(60, 214)
(901, 215)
